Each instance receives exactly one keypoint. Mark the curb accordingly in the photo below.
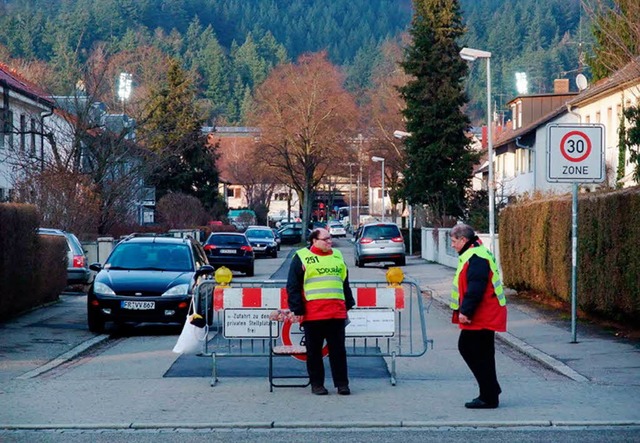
(326, 425)
(523, 347)
(64, 357)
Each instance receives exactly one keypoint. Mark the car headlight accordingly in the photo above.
(182, 289)
(102, 289)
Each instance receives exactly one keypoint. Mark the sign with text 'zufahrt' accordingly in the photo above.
(575, 153)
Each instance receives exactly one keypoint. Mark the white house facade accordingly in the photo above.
(25, 113)
(521, 159)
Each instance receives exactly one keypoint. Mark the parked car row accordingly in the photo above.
(152, 278)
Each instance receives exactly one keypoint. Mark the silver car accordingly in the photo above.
(77, 267)
(336, 229)
(379, 242)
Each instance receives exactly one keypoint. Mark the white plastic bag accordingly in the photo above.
(191, 338)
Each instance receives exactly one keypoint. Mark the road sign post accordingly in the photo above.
(575, 154)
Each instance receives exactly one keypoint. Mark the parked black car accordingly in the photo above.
(230, 249)
(77, 267)
(146, 279)
(262, 240)
(290, 235)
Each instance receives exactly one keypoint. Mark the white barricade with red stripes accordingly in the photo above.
(386, 321)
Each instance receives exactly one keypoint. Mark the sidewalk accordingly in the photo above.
(595, 382)
(596, 357)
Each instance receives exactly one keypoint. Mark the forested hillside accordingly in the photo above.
(232, 45)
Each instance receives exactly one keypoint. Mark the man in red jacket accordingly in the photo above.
(318, 290)
(479, 305)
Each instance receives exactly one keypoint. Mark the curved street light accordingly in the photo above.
(471, 54)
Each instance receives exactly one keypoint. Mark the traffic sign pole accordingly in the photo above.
(575, 154)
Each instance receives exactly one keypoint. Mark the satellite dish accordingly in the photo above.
(581, 82)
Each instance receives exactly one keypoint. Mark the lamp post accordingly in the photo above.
(470, 54)
(401, 135)
(350, 195)
(381, 160)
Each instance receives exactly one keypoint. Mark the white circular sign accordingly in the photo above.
(575, 153)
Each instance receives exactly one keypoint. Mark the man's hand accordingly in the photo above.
(464, 320)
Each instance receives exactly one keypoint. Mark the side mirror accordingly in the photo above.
(204, 270)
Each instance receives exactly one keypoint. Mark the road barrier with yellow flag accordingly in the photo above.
(388, 319)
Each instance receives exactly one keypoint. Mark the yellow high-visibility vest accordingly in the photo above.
(482, 252)
(324, 275)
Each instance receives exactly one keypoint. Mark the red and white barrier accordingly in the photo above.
(276, 298)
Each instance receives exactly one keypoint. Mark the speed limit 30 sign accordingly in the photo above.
(575, 153)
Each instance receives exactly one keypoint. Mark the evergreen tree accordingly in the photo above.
(439, 158)
(173, 132)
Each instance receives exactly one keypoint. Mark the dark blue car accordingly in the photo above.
(146, 279)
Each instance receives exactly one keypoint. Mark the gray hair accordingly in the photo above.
(462, 231)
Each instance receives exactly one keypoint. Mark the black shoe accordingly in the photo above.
(476, 403)
(344, 390)
(319, 390)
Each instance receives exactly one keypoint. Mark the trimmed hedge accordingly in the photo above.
(535, 250)
(32, 272)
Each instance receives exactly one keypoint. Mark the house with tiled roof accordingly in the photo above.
(24, 111)
(521, 159)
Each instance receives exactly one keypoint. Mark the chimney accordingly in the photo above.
(561, 86)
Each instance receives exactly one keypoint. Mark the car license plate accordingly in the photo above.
(259, 248)
(138, 305)
(227, 251)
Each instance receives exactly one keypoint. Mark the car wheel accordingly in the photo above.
(249, 272)
(95, 321)
(274, 254)
(401, 262)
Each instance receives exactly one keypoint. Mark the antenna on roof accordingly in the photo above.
(581, 82)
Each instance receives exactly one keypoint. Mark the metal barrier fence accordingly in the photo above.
(386, 321)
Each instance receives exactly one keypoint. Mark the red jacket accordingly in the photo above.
(316, 309)
(477, 297)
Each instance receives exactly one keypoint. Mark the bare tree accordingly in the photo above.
(305, 116)
(383, 116)
(86, 141)
(616, 28)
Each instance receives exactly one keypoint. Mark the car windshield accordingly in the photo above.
(259, 233)
(381, 232)
(227, 240)
(150, 256)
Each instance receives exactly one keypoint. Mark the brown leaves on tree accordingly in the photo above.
(305, 116)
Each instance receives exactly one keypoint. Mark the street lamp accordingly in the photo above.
(470, 54)
(401, 135)
(350, 192)
(125, 81)
(380, 159)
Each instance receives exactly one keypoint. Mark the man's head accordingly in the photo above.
(460, 234)
(321, 239)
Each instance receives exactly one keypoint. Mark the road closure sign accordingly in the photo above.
(575, 153)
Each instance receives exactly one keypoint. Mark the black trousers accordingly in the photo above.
(315, 333)
(478, 351)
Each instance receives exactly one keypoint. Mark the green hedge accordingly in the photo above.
(535, 250)
(32, 272)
